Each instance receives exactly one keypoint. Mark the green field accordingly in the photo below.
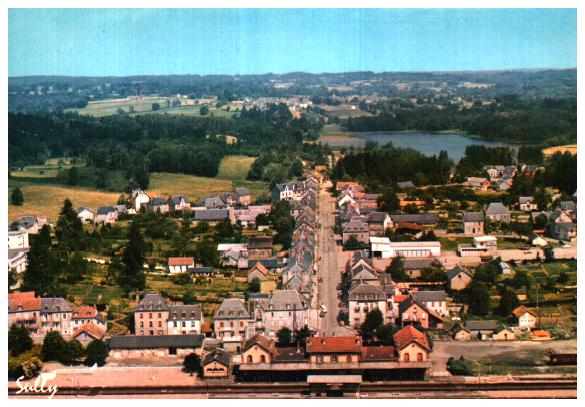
(43, 197)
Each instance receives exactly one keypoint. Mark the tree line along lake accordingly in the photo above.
(428, 143)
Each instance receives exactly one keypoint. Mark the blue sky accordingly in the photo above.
(98, 42)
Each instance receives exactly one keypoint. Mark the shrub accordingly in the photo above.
(97, 352)
(31, 367)
(459, 367)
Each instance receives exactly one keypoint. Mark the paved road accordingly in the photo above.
(329, 265)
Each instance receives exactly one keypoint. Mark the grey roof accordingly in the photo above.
(157, 202)
(56, 304)
(364, 275)
(355, 226)
(81, 209)
(184, 312)
(430, 296)
(366, 292)
(405, 184)
(152, 302)
(567, 205)
(104, 210)
(497, 208)
(155, 341)
(472, 217)
(213, 202)
(217, 355)
(525, 199)
(232, 309)
(417, 264)
(241, 191)
(211, 214)
(485, 325)
(423, 218)
(176, 199)
(454, 272)
(200, 270)
(377, 217)
(286, 300)
(260, 242)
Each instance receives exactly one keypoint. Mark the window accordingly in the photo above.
(150, 315)
(406, 357)
(263, 358)
(419, 357)
(249, 359)
(334, 358)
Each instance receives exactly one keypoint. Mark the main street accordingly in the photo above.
(329, 266)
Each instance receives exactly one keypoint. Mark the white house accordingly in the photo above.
(139, 198)
(17, 239)
(84, 214)
(180, 264)
(185, 320)
(383, 248)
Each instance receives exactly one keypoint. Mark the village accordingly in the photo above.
(348, 297)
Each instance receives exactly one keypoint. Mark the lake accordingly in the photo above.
(425, 142)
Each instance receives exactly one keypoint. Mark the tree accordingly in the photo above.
(396, 270)
(374, 320)
(19, 340)
(72, 176)
(155, 106)
(204, 110)
(352, 243)
(508, 302)
(96, 353)
(43, 267)
(563, 277)
(192, 363)
(284, 336)
(132, 275)
(73, 352)
(386, 334)
(478, 298)
(76, 268)
(12, 278)
(388, 201)
(254, 286)
(302, 334)
(69, 229)
(17, 197)
(459, 367)
(54, 347)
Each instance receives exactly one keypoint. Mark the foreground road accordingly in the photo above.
(328, 266)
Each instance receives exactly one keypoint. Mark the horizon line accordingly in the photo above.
(299, 72)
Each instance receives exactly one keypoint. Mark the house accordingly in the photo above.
(378, 222)
(84, 214)
(139, 199)
(179, 203)
(422, 219)
(105, 215)
(151, 315)
(229, 198)
(503, 333)
(87, 314)
(459, 278)
(30, 224)
(258, 349)
(17, 260)
(243, 196)
(259, 247)
(196, 272)
(412, 311)
(216, 364)
(411, 345)
(285, 308)
(527, 204)
(211, 216)
(497, 212)
(567, 206)
(434, 301)
(504, 185)
(231, 320)
(24, 309)
(560, 226)
(88, 332)
(180, 264)
(56, 315)
(185, 320)
(482, 246)
(382, 247)
(334, 349)
(214, 202)
(494, 171)
(460, 333)
(230, 254)
(357, 229)
(158, 205)
(481, 329)
(259, 271)
(365, 298)
(405, 185)
(524, 317)
(478, 183)
(472, 223)
(138, 346)
(414, 266)
(17, 240)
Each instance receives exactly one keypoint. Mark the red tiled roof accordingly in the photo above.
(260, 267)
(398, 298)
(521, 310)
(91, 329)
(84, 311)
(261, 341)
(334, 344)
(206, 328)
(181, 261)
(377, 353)
(410, 334)
(23, 302)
